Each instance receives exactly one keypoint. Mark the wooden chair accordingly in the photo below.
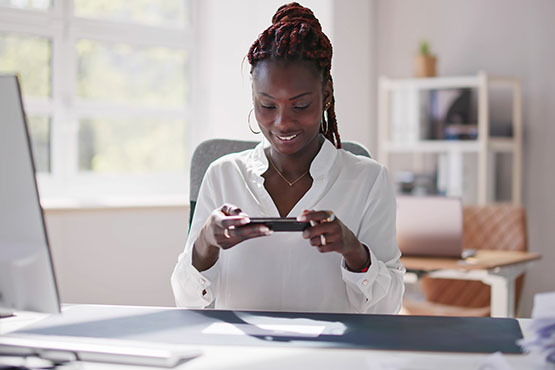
(496, 226)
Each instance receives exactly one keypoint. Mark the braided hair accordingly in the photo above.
(296, 34)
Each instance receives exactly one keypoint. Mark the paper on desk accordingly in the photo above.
(543, 327)
(224, 328)
(260, 325)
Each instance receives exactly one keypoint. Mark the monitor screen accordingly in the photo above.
(27, 280)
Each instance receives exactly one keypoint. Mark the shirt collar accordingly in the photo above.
(321, 164)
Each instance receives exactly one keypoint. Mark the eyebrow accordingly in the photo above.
(293, 98)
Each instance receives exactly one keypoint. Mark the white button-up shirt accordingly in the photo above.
(283, 272)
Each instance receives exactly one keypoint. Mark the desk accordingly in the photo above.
(245, 357)
(498, 269)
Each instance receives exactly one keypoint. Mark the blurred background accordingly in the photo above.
(119, 93)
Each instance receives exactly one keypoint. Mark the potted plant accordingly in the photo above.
(425, 62)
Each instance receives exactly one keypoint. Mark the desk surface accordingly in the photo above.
(483, 260)
(281, 329)
(247, 357)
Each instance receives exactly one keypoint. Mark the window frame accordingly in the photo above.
(64, 29)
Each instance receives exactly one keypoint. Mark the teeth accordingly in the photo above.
(287, 138)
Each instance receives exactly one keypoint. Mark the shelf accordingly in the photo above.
(440, 146)
(433, 146)
(502, 144)
(402, 122)
(454, 82)
(432, 83)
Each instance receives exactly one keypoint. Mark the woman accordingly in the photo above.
(348, 261)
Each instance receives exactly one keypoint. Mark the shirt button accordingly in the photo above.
(364, 282)
(202, 281)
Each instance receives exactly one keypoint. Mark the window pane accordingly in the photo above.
(121, 73)
(27, 4)
(132, 145)
(30, 57)
(39, 128)
(166, 13)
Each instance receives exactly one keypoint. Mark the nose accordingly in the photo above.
(282, 119)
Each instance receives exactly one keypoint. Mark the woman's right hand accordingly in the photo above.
(226, 227)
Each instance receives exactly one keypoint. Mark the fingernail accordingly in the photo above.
(305, 234)
(244, 221)
(265, 230)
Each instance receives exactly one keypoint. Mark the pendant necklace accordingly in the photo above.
(290, 183)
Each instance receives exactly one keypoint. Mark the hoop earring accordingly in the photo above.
(324, 124)
(249, 121)
(325, 120)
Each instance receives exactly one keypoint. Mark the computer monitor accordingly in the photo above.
(27, 281)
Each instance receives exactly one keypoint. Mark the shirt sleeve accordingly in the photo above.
(192, 288)
(381, 288)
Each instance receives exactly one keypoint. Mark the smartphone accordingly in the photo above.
(280, 224)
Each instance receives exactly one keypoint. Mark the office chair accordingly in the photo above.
(210, 150)
(495, 226)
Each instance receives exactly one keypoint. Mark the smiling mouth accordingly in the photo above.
(287, 137)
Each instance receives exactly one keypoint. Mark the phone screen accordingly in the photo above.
(280, 224)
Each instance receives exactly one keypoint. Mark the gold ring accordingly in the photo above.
(226, 233)
(331, 217)
(323, 240)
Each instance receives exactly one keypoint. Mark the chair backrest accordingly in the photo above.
(210, 150)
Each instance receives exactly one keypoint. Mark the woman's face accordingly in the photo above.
(288, 102)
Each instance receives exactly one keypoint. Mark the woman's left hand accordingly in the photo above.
(329, 234)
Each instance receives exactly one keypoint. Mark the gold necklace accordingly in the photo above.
(290, 183)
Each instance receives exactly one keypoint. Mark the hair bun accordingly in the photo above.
(295, 12)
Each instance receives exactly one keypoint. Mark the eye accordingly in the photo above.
(301, 106)
(267, 106)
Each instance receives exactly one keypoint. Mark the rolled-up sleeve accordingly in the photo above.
(381, 288)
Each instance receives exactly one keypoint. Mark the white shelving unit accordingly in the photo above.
(408, 140)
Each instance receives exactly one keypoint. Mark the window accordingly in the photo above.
(106, 87)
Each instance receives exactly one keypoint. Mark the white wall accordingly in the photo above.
(509, 37)
(117, 255)
(354, 71)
